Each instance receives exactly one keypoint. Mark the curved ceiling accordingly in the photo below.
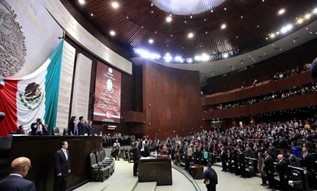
(235, 27)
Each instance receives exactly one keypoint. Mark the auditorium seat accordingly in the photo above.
(98, 173)
(296, 179)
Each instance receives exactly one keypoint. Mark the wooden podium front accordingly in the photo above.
(155, 170)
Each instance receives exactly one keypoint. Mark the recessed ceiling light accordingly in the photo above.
(300, 21)
(168, 19)
(115, 5)
(307, 16)
(241, 17)
(81, 2)
(225, 9)
(223, 26)
(281, 12)
(152, 12)
(190, 35)
(91, 14)
(151, 41)
(112, 33)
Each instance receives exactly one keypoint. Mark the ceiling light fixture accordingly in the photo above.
(81, 2)
(151, 41)
(281, 12)
(190, 35)
(300, 21)
(112, 33)
(115, 5)
(187, 7)
(307, 16)
(315, 11)
(168, 19)
(223, 26)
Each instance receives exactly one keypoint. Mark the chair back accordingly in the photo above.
(296, 175)
(92, 158)
(103, 154)
(98, 157)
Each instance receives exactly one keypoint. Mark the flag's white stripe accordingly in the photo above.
(25, 115)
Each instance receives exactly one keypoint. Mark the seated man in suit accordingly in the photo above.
(15, 181)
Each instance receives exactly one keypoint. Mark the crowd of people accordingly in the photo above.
(301, 90)
(291, 142)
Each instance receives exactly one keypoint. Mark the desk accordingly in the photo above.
(197, 171)
(155, 170)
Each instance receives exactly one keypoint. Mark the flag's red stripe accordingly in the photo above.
(8, 105)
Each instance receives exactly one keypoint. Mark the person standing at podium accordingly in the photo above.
(136, 157)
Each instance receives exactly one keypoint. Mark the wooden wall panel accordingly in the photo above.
(171, 101)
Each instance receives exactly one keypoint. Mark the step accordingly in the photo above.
(145, 186)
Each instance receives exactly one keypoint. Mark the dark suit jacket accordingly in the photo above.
(61, 164)
(308, 162)
(269, 165)
(16, 183)
(81, 128)
(282, 169)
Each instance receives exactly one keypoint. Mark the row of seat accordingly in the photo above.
(102, 166)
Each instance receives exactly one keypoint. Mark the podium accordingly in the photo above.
(197, 171)
(155, 170)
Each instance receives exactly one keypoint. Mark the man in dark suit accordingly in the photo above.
(308, 163)
(224, 159)
(269, 169)
(81, 126)
(15, 181)
(136, 157)
(62, 167)
(282, 169)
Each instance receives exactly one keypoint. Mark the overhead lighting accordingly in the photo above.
(148, 55)
(300, 21)
(223, 26)
(168, 19)
(179, 59)
(286, 28)
(189, 60)
(315, 11)
(151, 41)
(272, 35)
(190, 35)
(167, 57)
(281, 12)
(115, 5)
(91, 14)
(112, 33)
(81, 2)
(307, 16)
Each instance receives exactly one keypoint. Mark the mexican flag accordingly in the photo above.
(25, 99)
